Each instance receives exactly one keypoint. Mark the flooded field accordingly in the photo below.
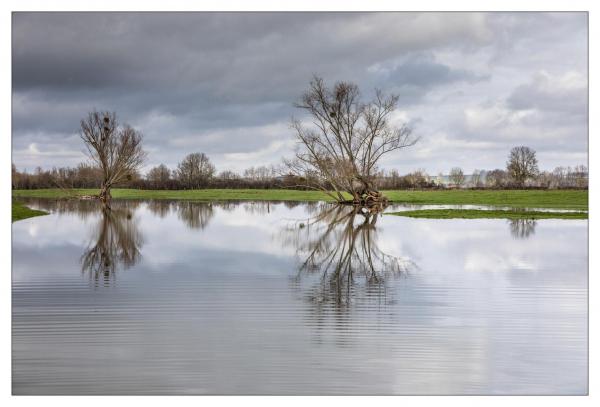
(178, 297)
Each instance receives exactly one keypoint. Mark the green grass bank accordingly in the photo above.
(488, 214)
(565, 199)
(20, 212)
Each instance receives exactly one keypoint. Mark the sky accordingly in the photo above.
(470, 85)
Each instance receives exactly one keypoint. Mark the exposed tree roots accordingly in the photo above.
(372, 200)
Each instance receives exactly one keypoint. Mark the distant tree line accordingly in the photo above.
(197, 171)
(559, 178)
(193, 172)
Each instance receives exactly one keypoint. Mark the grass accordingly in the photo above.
(565, 199)
(20, 212)
(488, 214)
(189, 194)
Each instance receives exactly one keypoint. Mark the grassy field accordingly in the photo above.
(566, 199)
(193, 194)
(20, 212)
(488, 214)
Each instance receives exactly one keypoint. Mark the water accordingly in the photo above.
(286, 298)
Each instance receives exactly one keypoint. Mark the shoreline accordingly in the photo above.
(559, 199)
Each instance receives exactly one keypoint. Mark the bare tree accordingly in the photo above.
(16, 177)
(522, 164)
(457, 177)
(580, 176)
(417, 179)
(476, 178)
(195, 170)
(496, 178)
(340, 151)
(260, 173)
(159, 176)
(229, 175)
(116, 150)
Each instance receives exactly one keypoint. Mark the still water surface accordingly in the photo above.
(163, 297)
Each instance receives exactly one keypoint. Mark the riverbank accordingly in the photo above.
(564, 199)
(20, 212)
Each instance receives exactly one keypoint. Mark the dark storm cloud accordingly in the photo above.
(225, 83)
(426, 74)
(416, 74)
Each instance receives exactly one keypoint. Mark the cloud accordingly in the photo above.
(549, 112)
(53, 154)
(225, 83)
(566, 93)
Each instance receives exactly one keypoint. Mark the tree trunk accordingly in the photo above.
(367, 196)
(105, 196)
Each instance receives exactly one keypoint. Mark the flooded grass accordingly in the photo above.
(488, 214)
(189, 194)
(183, 297)
(564, 199)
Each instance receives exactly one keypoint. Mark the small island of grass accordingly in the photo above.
(488, 214)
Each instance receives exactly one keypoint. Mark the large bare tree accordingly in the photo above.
(522, 164)
(116, 150)
(339, 152)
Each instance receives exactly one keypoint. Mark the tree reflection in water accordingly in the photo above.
(522, 228)
(196, 215)
(116, 244)
(259, 208)
(159, 208)
(339, 246)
